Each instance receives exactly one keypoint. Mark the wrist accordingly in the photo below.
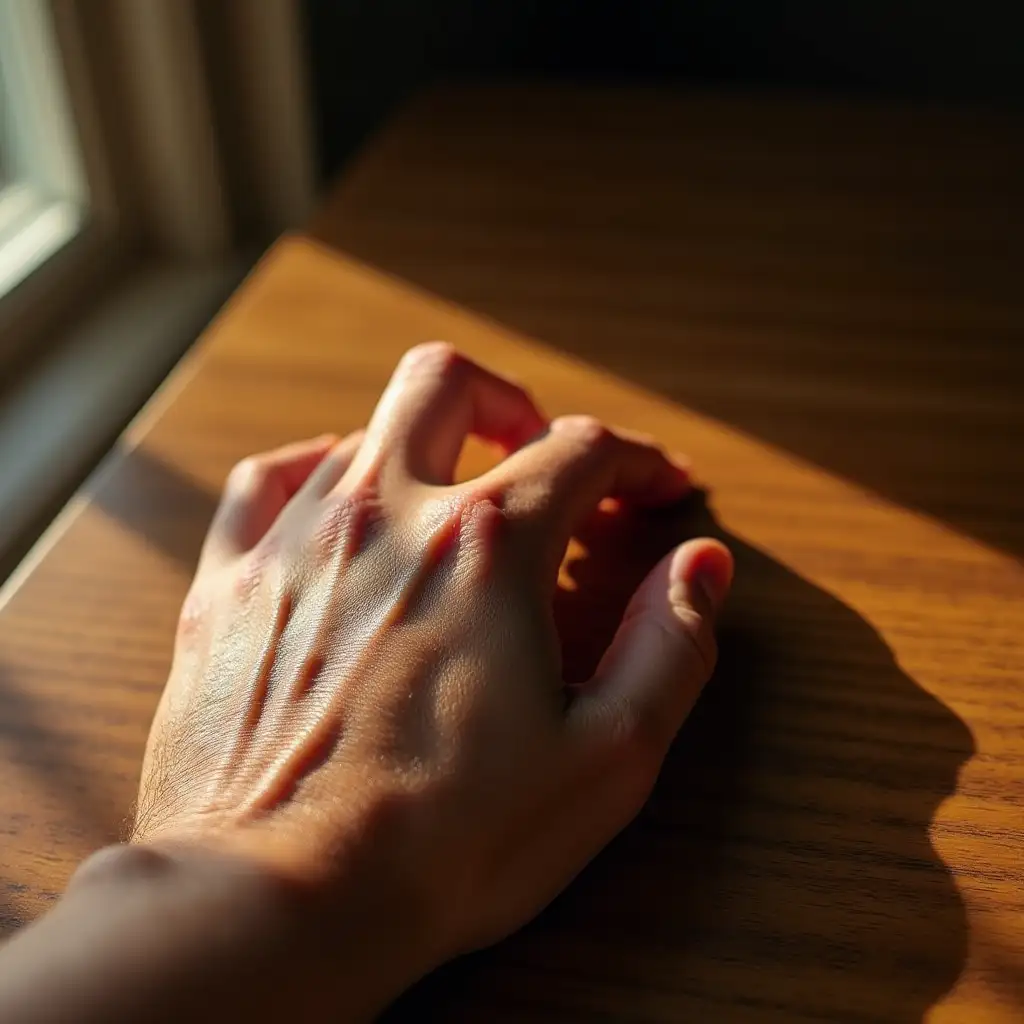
(191, 929)
(353, 869)
(245, 935)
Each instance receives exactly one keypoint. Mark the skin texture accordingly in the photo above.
(365, 750)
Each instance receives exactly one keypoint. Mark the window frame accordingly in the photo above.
(195, 146)
(188, 155)
(73, 226)
(43, 195)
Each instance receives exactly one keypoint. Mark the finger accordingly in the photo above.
(437, 397)
(334, 465)
(662, 654)
(559, 480)
(260, 486)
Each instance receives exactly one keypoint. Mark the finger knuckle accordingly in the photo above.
(482, 520)
(251, 570)
(245, 475)
(348, 523)
(433, 356)
(587, 430)
(195, 611)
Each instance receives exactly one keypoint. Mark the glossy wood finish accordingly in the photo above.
(822, 306)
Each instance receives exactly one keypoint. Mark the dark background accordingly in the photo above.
(368, 55)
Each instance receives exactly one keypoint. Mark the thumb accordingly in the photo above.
(663, 651)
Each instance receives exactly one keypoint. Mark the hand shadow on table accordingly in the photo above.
(782, 869)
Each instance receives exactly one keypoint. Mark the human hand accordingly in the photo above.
(366, 688)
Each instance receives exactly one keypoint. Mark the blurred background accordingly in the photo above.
(150, 150)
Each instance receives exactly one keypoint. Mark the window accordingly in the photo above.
(42, 193)
(148, 151)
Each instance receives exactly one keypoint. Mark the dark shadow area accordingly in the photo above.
(782, 870)
(367, 57)
(156, 501)
(752, 232)
(30, 741)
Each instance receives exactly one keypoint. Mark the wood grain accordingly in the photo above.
(821, 306)
(838, 281)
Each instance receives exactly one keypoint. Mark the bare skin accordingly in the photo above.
(365, 761)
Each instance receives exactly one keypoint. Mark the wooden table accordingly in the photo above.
(823, 306)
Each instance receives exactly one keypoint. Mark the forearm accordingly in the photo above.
(146, 936)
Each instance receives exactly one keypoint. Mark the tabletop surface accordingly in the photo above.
(822, 306)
